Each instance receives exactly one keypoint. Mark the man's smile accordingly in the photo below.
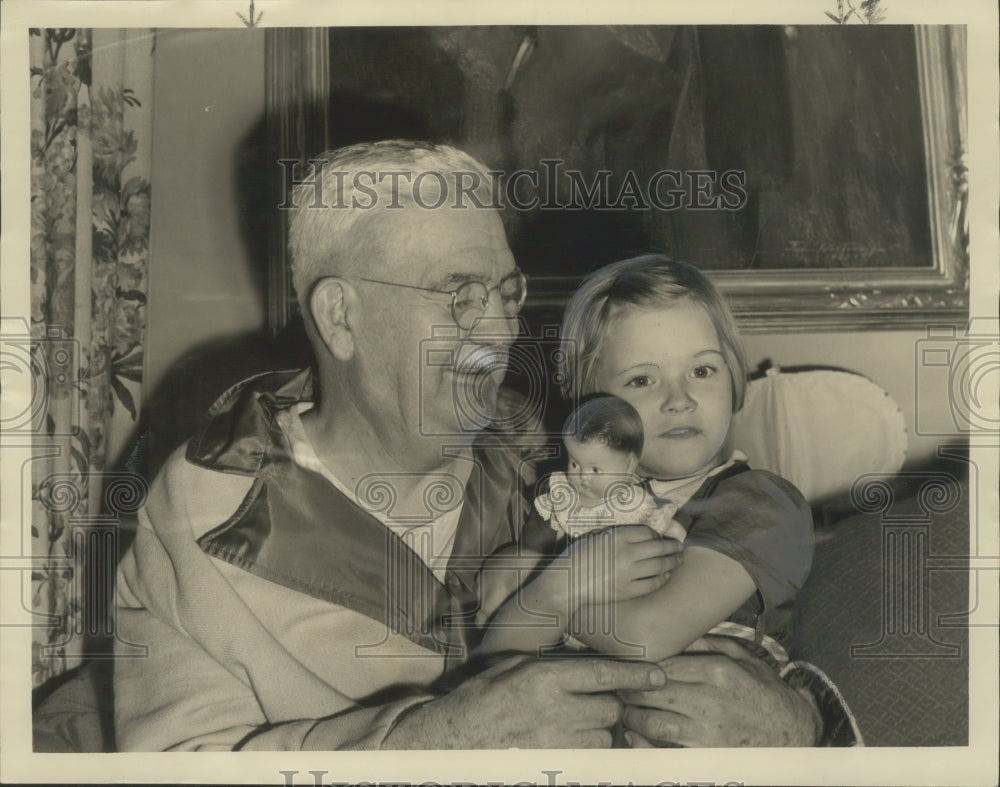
(481, 360)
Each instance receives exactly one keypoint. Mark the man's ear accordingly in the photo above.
(330, 303)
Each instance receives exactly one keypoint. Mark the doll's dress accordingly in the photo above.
(625, 503)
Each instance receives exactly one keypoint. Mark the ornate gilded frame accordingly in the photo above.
(297, 90)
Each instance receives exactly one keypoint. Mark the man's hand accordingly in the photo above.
(525, 703)
(724, 699)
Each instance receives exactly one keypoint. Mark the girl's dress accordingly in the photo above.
(758, 519)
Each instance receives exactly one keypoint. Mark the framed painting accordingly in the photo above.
(817, 172)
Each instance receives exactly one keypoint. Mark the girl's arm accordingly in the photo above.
(619, 564)
(502, 574)
(753, 515)
(533, 618)
(754, 535)
(705, 590)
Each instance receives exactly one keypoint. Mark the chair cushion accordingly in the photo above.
(907, 687)
(820, 429)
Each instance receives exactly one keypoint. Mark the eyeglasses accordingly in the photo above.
(470, 301)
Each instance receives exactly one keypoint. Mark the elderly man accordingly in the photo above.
(303, 570)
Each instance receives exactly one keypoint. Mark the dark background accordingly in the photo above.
(824, 121)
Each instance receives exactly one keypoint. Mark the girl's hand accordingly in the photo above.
(592, 574)
(617, 564)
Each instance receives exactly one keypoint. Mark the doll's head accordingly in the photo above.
(603, 439)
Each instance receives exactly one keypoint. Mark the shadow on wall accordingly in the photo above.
(173, 411)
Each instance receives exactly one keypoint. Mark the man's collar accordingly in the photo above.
(240, 427)
(241, 431)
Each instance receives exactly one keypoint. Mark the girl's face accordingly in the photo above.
(668, 364)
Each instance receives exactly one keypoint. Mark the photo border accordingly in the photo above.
(974, 764)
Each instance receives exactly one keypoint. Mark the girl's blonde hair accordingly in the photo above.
(648, 281)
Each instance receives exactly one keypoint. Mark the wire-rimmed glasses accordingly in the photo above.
(470, 301)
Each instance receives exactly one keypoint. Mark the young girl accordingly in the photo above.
(657, 334)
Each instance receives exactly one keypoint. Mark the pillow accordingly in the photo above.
(820, 429)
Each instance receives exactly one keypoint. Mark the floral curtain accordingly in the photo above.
(90, 200)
